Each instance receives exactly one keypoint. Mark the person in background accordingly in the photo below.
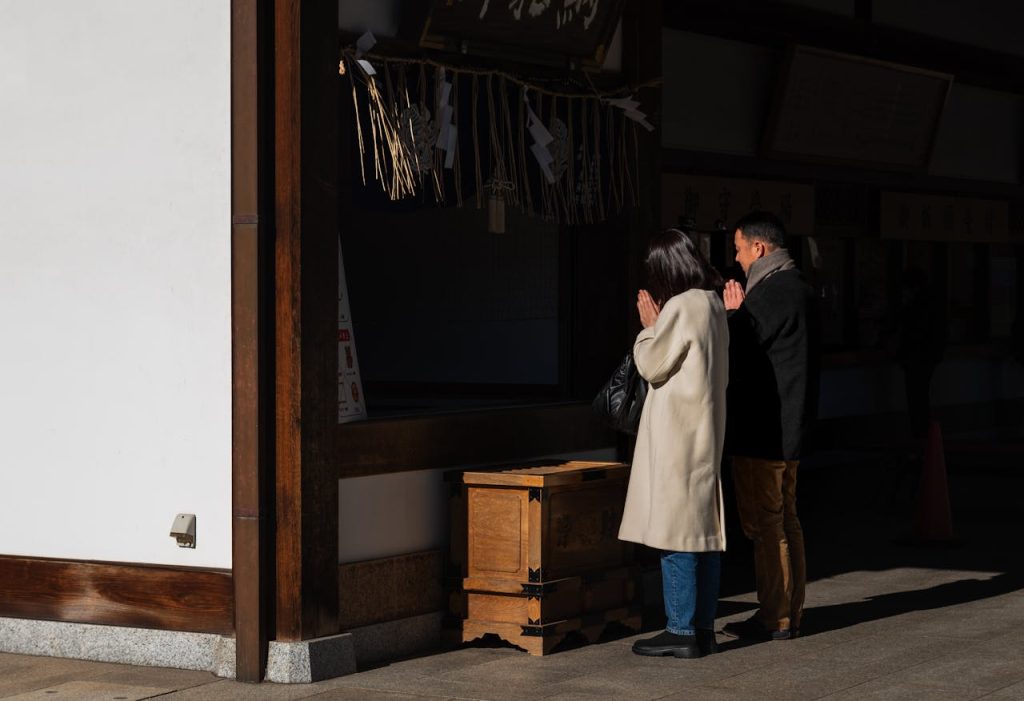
(917, 341)
(674, 499)
(773, 391)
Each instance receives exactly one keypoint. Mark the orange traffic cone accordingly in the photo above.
(933, 521)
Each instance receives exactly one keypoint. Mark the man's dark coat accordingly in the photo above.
(773, 368)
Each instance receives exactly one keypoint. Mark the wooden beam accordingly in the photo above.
(468, 438)
(306, 280)
(779, 24)
(731, 165)
(641, 61)
(117, 594)
(642, 24)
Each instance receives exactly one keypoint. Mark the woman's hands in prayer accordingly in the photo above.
(733, 295)
(648, 309)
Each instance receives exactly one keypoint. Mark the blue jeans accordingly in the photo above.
(689, 583)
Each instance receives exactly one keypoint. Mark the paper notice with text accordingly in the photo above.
(351, 403)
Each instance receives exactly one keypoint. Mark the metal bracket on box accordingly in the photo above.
(537, 591)
(533, 631)
(533, 591)
(535, 493)
(534, 575)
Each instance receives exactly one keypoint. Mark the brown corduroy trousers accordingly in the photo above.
(766, 499)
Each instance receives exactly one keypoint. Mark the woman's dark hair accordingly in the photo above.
(675, 265)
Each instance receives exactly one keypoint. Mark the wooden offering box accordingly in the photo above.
(539, 524)
(542, 556)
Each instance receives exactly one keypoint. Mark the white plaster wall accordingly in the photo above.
(115, 366)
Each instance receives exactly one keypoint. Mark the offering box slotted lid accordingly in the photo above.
(549, 475)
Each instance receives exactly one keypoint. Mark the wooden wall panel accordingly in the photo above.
(390, 589)
(469, 438)
(145, 596)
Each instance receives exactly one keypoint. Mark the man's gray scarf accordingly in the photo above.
(768, 265)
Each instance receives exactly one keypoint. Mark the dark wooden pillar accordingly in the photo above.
(642, 24)
(250, 462)
(641, 61)
(306, 283)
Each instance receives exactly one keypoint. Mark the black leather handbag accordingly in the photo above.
(621, 400)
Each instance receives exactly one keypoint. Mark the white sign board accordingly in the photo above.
(351, 403)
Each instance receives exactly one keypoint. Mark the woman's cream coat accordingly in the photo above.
(674, 500)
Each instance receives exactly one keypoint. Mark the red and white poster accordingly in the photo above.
(351, 403)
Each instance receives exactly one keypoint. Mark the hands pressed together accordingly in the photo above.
(733, 295)
(648, 308)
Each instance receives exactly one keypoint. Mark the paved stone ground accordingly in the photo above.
(883, 621)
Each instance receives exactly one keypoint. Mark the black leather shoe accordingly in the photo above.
(707, 642)
(666, 643)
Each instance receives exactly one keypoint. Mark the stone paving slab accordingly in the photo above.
(886, 690)
(1014, 692)
(226, 690)
(22, 673)
(965, 669)
(800, 680)
(91, 691)
(355, 694)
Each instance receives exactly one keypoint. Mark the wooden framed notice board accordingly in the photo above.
(850, 110)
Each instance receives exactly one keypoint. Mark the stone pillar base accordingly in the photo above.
(308, 661)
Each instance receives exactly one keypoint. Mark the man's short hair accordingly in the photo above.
(763, 226)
